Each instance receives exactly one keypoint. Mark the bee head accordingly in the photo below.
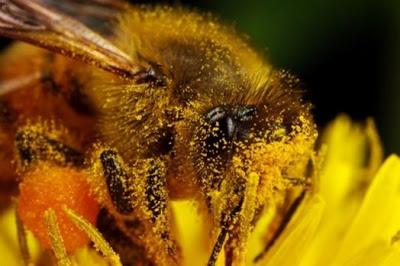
(229, 122)
(255, 138)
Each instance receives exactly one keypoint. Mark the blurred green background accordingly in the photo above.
(347, 53)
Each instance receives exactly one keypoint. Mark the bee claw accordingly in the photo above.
(143, 200)
(84, 225)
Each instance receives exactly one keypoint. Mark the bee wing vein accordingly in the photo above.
(35, 23)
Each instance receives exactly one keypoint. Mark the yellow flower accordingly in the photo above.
(350, 217)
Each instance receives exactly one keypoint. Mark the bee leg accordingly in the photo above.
(119, 183)
(240, 203)
(156, 195)
(232, 204)
(33, 146)
(130, 253)
(225, 224)
(284, 221)
(140, 204)
(158, 211)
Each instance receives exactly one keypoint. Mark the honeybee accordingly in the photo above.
(167, 104)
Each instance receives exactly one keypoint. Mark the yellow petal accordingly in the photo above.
(9, 249)
(346, 169)
(379, 253)
(192, 233)
(379, 214)
(393, 258)
(88, 257)
(294, 241)
(372, 255)
(8, 240)
(346, 161)
(257, 238)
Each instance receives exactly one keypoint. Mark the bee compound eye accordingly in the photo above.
(245, 113)
(221, 122)
(215, 114)
(231, 122)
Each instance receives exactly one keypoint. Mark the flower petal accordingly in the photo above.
(393, 258)
(344, 174)
(193, 234)
(346, 163)
(9, 247)
(372, 255)
(379, 214)
(379, 253)
(293, 243)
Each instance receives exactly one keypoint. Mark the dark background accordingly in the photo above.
(346, 52)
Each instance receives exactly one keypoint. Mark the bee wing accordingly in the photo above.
(33, 22)
(102, 8)
(93, 13)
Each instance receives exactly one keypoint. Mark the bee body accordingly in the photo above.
(171, 105)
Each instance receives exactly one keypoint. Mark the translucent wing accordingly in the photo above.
(37, 23)
(93, 13)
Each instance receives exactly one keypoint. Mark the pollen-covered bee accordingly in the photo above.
(166, 104)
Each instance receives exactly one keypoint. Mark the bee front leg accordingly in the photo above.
(228, 206)
(139, 202)
(157, 208)
(237, 212)
(226, 228)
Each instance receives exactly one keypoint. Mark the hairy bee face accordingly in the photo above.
(217, 138)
